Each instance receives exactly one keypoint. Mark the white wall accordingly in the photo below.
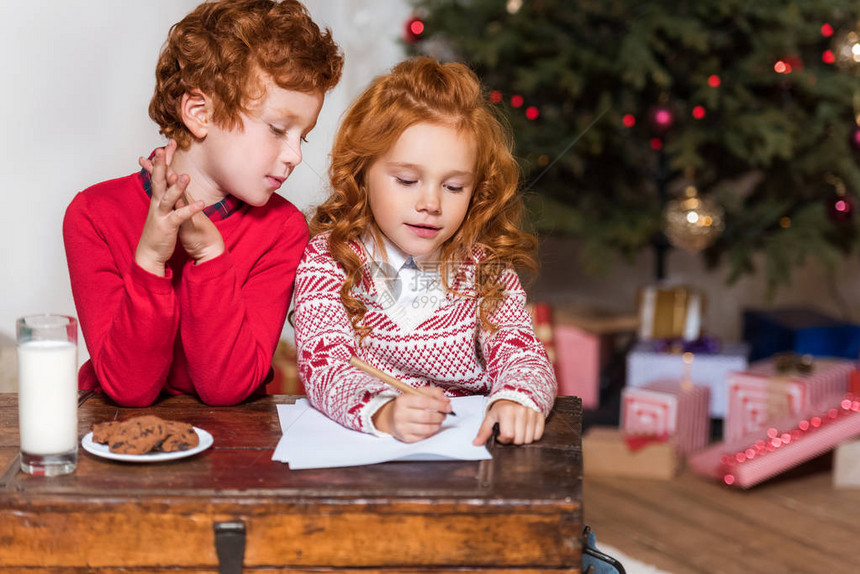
(77, 78)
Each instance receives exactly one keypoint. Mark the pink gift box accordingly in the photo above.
(665, 408)
(763, 454)
(760, 395)
(579, 359)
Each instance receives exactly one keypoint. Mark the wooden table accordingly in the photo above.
(232, 505)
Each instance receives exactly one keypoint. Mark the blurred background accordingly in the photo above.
(618, 109)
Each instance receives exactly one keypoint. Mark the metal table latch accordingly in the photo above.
(230, 546)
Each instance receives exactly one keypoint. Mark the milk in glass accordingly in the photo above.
(47, 397)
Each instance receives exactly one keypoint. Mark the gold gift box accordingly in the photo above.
(670, 312)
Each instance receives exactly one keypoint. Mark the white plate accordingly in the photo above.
(103, 450)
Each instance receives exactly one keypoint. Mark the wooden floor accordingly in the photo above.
(792, 524)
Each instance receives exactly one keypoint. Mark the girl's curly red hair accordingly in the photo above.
(416, 91)
(227, 49)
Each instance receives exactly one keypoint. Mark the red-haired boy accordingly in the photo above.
(182, 283)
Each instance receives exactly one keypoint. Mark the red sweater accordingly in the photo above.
(208, 329)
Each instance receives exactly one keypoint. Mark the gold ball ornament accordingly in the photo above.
(846, 48)
(692, 222)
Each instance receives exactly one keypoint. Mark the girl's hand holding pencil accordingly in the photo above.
(415, 415)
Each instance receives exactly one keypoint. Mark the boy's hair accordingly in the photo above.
(226, 49)
(422, 90)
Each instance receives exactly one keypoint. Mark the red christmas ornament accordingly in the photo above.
(714, 81)
(414, 30)
(532, 113)
(629, 120)
(828, 57)
(656, 144)
(517, 101)
(699, 112)
(661, 118)
(495, 96)
(826, 30)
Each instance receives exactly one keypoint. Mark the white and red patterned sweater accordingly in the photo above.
(447, 350)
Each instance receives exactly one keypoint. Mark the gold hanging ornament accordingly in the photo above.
(846, 49)
(692, 222)
(513, 6)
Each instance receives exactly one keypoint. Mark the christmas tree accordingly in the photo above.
(618, 106)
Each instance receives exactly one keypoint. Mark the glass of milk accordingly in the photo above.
(48, 394)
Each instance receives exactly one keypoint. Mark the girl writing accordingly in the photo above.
(411, 267)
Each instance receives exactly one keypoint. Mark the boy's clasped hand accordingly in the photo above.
(173, 214)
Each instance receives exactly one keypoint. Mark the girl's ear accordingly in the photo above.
(196, 110)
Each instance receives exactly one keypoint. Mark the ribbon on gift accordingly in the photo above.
(704, 344)
(636, 442)
(793, 364)
(788, 367)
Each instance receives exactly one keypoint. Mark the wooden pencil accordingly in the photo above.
(388, 379)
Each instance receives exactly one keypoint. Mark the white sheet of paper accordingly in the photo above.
(312, 440)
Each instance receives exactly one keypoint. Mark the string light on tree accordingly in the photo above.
(513, 6)
(414, 30)
(517, 101)
(840, 205)
(661, 118)
(699, 112)
(629, 120)
(788, 65)
(532, 113)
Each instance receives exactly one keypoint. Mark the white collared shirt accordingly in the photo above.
(409, 294)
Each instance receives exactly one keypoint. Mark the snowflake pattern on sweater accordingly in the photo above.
(447, 350)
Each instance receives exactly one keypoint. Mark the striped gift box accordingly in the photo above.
(758, 457)
(668, 408)
(760, 394)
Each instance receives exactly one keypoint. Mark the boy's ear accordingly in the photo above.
(196, 109)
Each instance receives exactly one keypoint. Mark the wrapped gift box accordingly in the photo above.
(584, 339)
(605, 452)
(668, 408)
(763, 454)
(846, 465)
(646, 364)
(762, 394)
(801, 330)
(285, 372)
(581, 357)
(669, 312)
